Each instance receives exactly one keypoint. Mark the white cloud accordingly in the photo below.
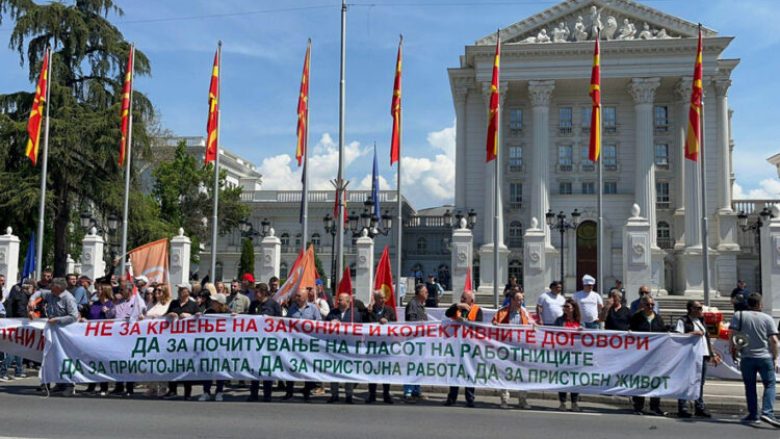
(444, 140)
(365, 183)
(429, 182)
(768, 188)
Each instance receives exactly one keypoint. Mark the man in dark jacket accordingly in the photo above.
(263, 305)
(415, 312)
(693, 323)
(646, 320)
(467, 311)
(344, 312)
(379, 312)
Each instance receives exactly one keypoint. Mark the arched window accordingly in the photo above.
(285, 239)
(315, 240)
(664, 235)
(298, 241)
(516, 270)
(422, 246)
(283, 270)
(515, 234)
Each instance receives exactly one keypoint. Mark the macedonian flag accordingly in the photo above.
(36, 114)
(693, 139)
(303, 108)
(212, 125)
(127, 91)
(395, 108)
(594, 149)
(384, 278)
(493, 116)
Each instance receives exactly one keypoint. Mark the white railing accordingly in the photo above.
(428, 221)
(314, 196)
(752, 206)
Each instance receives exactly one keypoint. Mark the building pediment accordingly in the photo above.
(577, 20)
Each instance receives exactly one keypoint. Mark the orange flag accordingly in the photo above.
(127, 91)
(384, 278)
(151, 260)
(345, 284)
(301, 275)
(213, 120)
(594, 150)
(468, 285)
(693, 139)
(36, 114)
(395, 109)
(493, 116)
(303, 108)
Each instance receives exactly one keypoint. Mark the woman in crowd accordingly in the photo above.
(125, 307)
(98, 310)
(155, 310)
(181, 308)
(218, 305)
(570, 319)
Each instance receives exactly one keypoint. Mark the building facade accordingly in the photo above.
(647, 61)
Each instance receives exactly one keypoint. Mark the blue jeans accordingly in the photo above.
(411, 390)
(591, 325)
(6, 364)
(765, 368)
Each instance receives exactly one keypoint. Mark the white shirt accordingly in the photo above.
(697, 326)
(589, 305)
(552, 306)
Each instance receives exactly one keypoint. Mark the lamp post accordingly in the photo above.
(87, 221)
(471, 218)
(248, 230)
(367, 220)
(560, 223)
(755, 227)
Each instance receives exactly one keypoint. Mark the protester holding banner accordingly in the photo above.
(218, 306)
(322, 304)
(263, 305)
(590, 303)
(615, 315)
(468, 311)
(570, 319)
(98, 310)
(344, 312)
(379, 312)
(513, 314)
(16, 307)
(182, 307)
(415, 312)
(646, 320)
(692, 323)
(161, 300)
(301, 309)
(550, 304)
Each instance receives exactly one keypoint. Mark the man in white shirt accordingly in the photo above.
(550, 304)
(590, 303)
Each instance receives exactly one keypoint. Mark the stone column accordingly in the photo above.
(270, 256)
(9, 257)
(683, 95)
(540, 93)
(460, 91)
(535, 278)
(461, 256)
(643, 92)
(364, 279)
(70, 264)
(637, 269)
(727, 218)
(92, 263)
(180, 259)
(770, 264)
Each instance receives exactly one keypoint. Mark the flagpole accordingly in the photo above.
(305, 215)
(704, 223)
(215, 216)
(600, 193)
(496, 190)
(128, 158)
(44, 171)
(399, 205)
(340, 184)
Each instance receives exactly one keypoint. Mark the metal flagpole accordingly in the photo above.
(340, 183)
(600, 232)
(400, 218)
(704, 223)
(215, 217)
(128, 158)
(495, 208)
(44, 171)
(306, 158)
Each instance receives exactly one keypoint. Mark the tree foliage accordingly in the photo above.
(247, 262)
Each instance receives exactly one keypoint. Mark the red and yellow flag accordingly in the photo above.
(384, 278)
(693, 139)
(594, 149)
(127, 90)
(212, 125)
(303, 108)
(468, 285)
(395, 108)
(36, 114)
(345, 284)
(493, 116)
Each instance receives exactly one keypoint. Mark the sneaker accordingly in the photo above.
(103, 394)
(523, 404)
(771, 420)
(170, 395)
(504, 405)
(658, 412)
(562, 407)
(449, 402)
(409, 399)
(205, 397)
(750, 420)
(22, 376)
(4, 379)
(702, 413)
(218, 397)
(684, 414)
(70, 391)
(575, 407)
(9, 377)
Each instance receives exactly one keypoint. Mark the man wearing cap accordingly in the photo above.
(343, 312)
(590, 303)
(237, 302)
(248, 285)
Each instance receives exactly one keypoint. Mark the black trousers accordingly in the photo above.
(173, 387)
(575, 397)
(254, 388)
(372, 391)
(308, 386)
(639, 403)
(453, 395)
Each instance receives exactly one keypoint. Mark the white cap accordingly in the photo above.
(220, 298)
(588, 280)
(142, 278)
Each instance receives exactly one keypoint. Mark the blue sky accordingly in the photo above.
(264, 44)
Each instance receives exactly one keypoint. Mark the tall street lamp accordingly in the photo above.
(368, 221)
(248, 230)
(560, 223)
(88, 221)
(331, 228)
(755, 227)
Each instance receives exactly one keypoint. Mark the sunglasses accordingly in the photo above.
(698, 308)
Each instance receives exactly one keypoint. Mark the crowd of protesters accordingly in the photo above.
(62, 301)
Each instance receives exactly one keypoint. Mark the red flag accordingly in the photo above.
(345, 284)
(213, 120)
(303, 108)
(594, 149)
(468, 285)
(36, 113)
(384, 278)
(693, 139)
(395, 109)
(493, 116)
(127, 91)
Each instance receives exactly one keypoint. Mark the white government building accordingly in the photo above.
(647, 62)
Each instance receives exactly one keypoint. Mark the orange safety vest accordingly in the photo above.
(502, 316)
(472, 315)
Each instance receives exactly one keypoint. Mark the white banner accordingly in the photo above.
(23, 338)
(427, 353)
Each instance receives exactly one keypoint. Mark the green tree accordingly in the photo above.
(88, 60)
(247, 262)
(184, 188)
